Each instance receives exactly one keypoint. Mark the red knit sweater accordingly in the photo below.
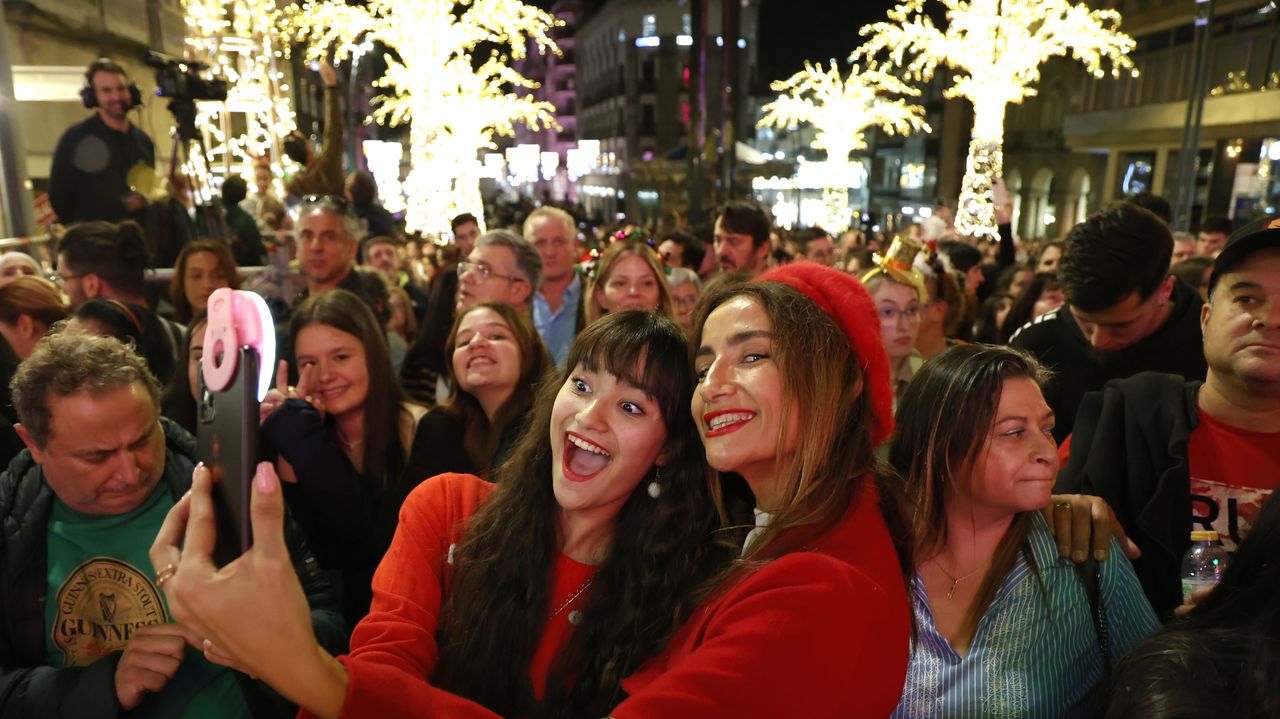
(822, 633)
(393, 649)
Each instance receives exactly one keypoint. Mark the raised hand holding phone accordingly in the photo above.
(272, 640)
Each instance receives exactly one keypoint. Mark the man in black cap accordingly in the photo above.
(1171, 455)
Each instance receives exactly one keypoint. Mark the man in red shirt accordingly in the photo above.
(1171, 456)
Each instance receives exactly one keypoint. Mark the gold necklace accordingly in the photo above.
(575, 617)
(951, 593)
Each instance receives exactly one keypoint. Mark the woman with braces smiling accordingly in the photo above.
(813, 620)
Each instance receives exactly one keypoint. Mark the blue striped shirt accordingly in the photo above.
(558, 328)
(1035, 653)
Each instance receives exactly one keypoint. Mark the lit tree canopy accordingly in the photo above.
(454, 109)
(996, 48)
(841, 109)
(234, 38)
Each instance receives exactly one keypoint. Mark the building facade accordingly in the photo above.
(635, 95)
(1083, 142)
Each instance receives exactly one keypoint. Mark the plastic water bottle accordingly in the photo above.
(1204, 562)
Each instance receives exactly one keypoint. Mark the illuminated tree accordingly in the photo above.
(453, 109)
(996, 48)
(841, 110)
(234, 38)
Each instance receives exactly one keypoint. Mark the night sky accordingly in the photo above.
(793, 31)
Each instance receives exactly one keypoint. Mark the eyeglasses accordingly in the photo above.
(893, 314)
(485, 271)
(61, 279)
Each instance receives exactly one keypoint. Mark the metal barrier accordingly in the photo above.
(14, 243)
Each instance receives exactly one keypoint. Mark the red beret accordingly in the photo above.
(847, 302)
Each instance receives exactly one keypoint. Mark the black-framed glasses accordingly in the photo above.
(61, 279)
(485, 271)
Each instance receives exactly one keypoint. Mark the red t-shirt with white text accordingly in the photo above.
(1233, 472)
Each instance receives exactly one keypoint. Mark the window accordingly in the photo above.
(649, 26)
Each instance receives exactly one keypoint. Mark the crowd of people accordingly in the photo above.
(535, 468)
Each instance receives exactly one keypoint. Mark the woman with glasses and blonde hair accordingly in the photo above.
(629, 277)
(1004, 626)
(898, 290)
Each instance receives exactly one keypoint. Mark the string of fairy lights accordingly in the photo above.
(236, 40)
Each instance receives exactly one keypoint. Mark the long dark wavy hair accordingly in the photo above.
(482, 436)
(384, 456)
(662, 548)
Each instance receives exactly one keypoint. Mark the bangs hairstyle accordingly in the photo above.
(662, 548)
(823, 384)
(943, 423)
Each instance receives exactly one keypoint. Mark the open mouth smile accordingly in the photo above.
(726, 421)
(583, 459)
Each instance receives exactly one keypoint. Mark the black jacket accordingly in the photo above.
(1130, 448)
(28, 688)
(88, 178)
(1054, 338)
(349, 518)
(425, 361)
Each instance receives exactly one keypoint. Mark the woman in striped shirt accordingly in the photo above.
(1004, 627)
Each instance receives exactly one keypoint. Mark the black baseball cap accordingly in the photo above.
(1243, 242)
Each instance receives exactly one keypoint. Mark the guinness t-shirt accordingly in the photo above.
(100, 589)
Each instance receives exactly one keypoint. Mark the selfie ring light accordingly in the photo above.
(237, 318)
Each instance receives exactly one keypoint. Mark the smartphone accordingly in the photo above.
(227, 442)
(239, 343)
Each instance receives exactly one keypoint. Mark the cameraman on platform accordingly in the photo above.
(88, 180)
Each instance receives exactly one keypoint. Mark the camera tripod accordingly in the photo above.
(188, 143)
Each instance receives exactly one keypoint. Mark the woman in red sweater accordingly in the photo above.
(534, 597)
(813, 621)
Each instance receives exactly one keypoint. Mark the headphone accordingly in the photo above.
(102, 64)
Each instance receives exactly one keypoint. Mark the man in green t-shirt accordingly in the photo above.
(83, 623)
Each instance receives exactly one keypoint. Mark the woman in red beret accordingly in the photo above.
(813, 620)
